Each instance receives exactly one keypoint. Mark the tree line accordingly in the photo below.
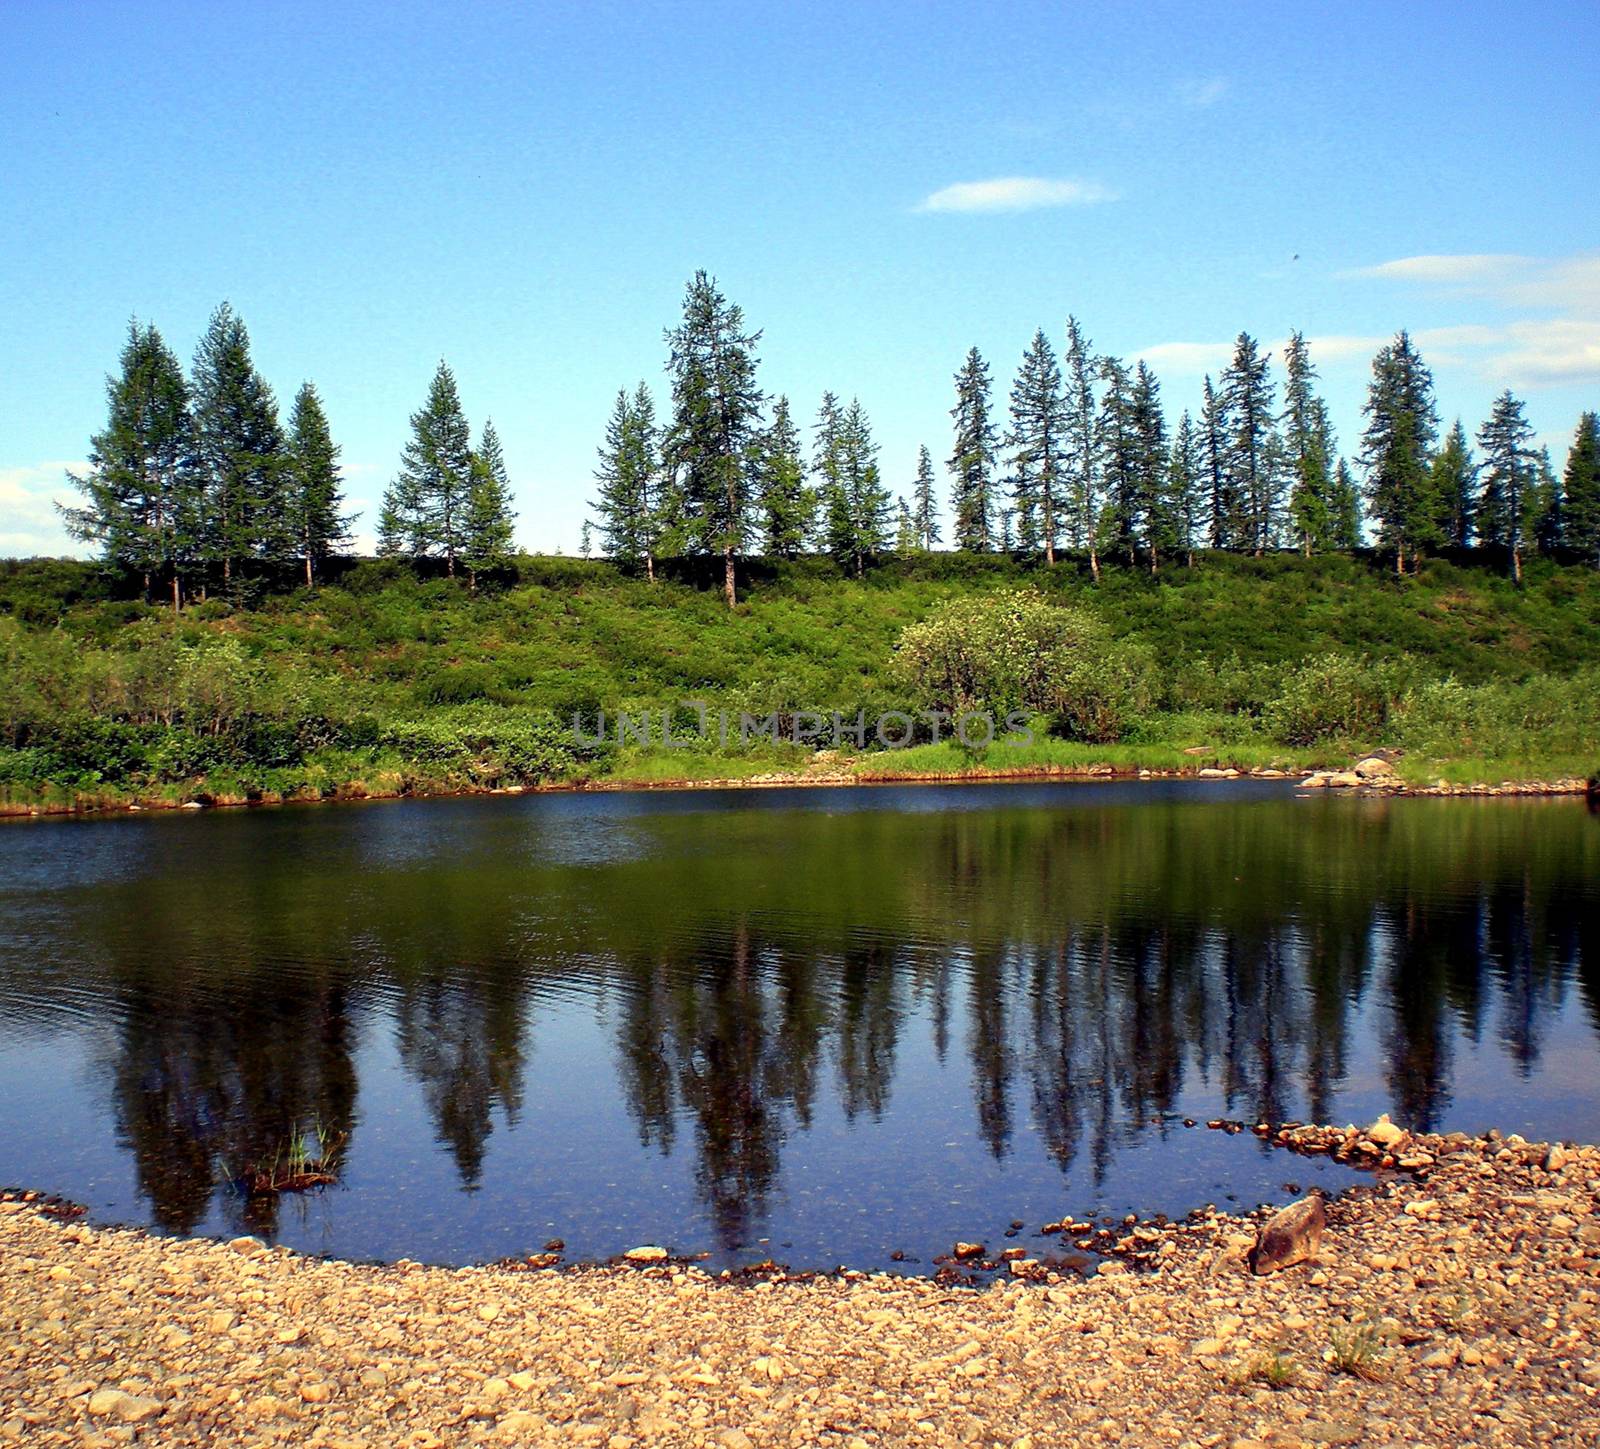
(196, 478)
(1082, 458)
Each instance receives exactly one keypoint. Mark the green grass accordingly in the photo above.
(386, 683)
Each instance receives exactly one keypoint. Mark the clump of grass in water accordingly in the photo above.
(309, 1158)
(1359, 1350)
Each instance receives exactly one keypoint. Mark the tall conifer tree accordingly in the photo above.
(1119, 459)
(787, 504)
(1510, 474)
(1037, 436)
(425, 508)
(1397, 449)
(489, 523)
(1082, 460)
(1186, 486)
(1252, 446)
(315, 499)
(924, 507)
(1452, 488)
(972, 458)
(628, 474)
(1580, 487)
(1308, 450)
(1221, 505)
(711, 447)
(142, 492)
(241, 448)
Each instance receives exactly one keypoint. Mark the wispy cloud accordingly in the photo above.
(1527, 351)
(1016, 193)
(1190, 359)
(29, 523)
(1200, 92)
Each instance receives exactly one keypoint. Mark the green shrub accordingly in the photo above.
(1335, 696)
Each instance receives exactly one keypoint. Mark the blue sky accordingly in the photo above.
(523, 189)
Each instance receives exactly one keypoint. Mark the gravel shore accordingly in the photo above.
(1450, 1304)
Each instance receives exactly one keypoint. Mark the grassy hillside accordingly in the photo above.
(384, 682)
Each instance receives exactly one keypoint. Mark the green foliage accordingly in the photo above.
(1332, 697)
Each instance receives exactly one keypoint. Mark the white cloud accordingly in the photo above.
(1016, 193)
(29, 523)
(1202, 92)
(1191, 359)
(1527, 351)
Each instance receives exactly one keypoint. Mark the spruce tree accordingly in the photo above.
(1221, 505)
(858, 505)
(971, 462)
(586, 539)
(1037, 436)
(906, 538)
(241, 448)
(315, 500)
(1308, 448)
(1580, 487)
(142, 492)
(425, 507)
(628, 472)
(711, 445)
(1509, 473)
(924, 508)
(787, 505)
(1157, 508)
(1346, 509)
(1186, 486)
(1006, 535)
(1117, 436)
(1546, 513)
(489, 521)
(1252, 457)
(832, 518)
(1452, 488)
(1397, 449)
(1082, 458)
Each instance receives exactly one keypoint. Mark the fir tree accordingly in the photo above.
(315, 500)
(1082, 457)
(1452, 488)
(1397, 449)
(1509, 474)
(1186, 486)
(241, 448)
(832, 517)
(924, 509)
(1252, 447)
(711, 446)
(1580, 487)
(787, 505)
(488, 524)
(1007, 536)
(1308, 449)
(972, 459)
(142, 493)
(586, 539)
(627, 472)
(425, 508)
(1038, 426)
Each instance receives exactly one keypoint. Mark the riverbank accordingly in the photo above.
(867, 770)
(1454, 1304)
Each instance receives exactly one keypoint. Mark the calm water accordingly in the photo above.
(823, 1026)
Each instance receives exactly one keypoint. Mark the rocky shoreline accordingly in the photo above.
(1372, 783)
(1452, 1302)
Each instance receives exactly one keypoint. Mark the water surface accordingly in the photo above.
(824, 1026)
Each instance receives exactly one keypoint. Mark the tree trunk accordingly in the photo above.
(1094, 562)
(727, 576)
(1516, 564)
(308, 568)
(177, 593)
(650, 566)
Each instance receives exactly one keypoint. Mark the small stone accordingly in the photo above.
(1208, 1348)
(522, 1381)
(969, 1250)
(649, 1254)
(105, 1401)
(316, 1393)
(494, 1390)
(1385, 1133)
(1422, 1207)
(1441, 1358)
(249, 1247)
(734, 1439)
(219, 1321)
(1555, 1159)
(488, 1312)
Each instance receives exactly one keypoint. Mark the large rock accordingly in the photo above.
(1385, 1133)
(1291, 1235)
(1374, 767)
